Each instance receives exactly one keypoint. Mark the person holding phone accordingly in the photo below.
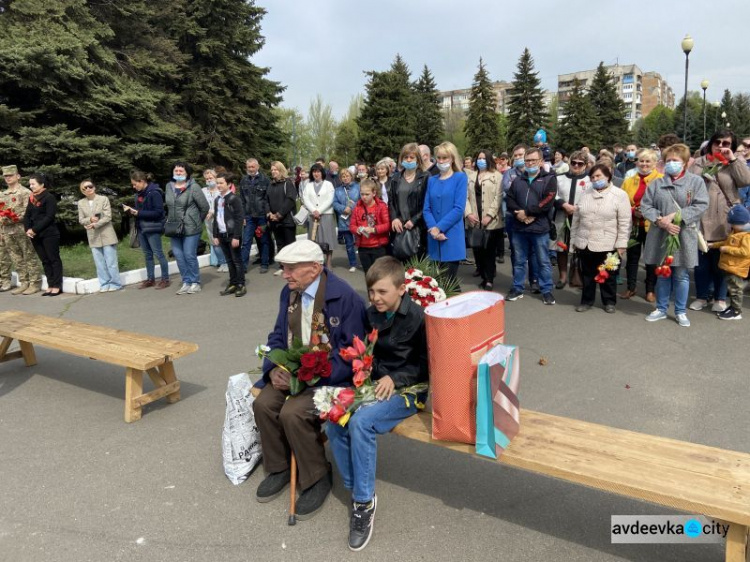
(95, 215)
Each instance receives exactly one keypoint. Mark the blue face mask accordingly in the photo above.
(518, 163)
(180, 178)
(409, 165)
(599, 184)
(673, 168)
(532, 170)
(631, 154)
(211, 184)
(482, 164)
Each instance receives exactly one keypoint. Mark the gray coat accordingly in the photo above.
(690, 193)
(197, 207)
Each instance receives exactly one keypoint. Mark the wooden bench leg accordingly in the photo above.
(4, 347)
(293, 493)
(168, 374)
(133, 389)
(29, 355)
(737, 544)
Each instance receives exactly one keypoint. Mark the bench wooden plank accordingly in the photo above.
(685, 476)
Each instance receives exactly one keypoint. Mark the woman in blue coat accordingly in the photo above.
(444, 204)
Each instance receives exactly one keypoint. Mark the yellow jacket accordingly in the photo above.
(736, 258)
(630, 186)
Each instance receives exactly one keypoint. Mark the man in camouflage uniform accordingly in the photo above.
(15, 246)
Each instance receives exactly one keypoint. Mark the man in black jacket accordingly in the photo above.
(229, 215)
(254, 195)
(529, 200)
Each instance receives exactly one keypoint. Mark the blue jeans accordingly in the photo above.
(710, 282)
(185, 250)
(217, 256)
(355, 447)
(151, 244)
(528, 246)
(679, 282)
(532, 276)
(107, 270)
(251, 223)
(350, 252)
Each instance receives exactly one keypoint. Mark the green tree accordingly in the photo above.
(454, 120)
(227, 99)
(322, 127)
(388, 120)
(741, 116)
(428, 108)
(658, 122)
(296, 147)
(347, 134)
(694, 134)
(526, 112)
(611, 124)
(481, 128)
(579, 124)
(553, 118)
(502, 127)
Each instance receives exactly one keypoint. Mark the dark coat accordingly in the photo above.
(254, 194)
(535, 199)
(40, 215)
(150, 205)
(415, 199)
(344, 312)
(401, 349)
(282, 199)
(234, 215)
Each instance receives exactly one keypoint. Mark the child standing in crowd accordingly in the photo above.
(370, 225)
(735, 260)
(227, 234)
(398, 362)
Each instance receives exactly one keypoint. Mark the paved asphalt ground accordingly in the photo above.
(78, 484)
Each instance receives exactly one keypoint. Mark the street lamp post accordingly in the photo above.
(723, 117)
(687, 46)
(704, 86)
(716, 105)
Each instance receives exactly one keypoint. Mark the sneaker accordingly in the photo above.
(352, 269)
(312, 499)
(730, 314)
(513, 295)
(656, 315)
(184, 289)
(163, 284)
(719, 306)
(547, 298)
(610, 309)
(104, 289)
(535, 289)
(698, 304)
(113, 289)
(264, 269)
(224, 268)
(682, 320)
(361, 524)
(272, 486)
(241, 291)
(500, 259)
(228, 291)
(146, 284)
(583, 307)
(194, 288)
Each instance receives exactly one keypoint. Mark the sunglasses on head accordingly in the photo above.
(723, 144)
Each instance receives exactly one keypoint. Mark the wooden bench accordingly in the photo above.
(136, 352)
(680, 475)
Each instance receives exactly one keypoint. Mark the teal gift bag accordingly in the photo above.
(498, 414)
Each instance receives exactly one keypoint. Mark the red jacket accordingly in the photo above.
(382, 224)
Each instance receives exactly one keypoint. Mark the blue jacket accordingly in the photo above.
(344, 311)
(340, 196)
(535, 198)
(444, 205)
(150, 205)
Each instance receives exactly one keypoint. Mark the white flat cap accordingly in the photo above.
(302, 251)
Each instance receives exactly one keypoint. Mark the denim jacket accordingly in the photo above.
(341, 196)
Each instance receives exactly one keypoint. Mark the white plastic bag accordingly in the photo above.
(240, 439)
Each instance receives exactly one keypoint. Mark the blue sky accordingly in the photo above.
(323, 47)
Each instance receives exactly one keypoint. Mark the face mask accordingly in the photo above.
(673, 168)
(335, 173)
(211, 184)
(362, 175)
(518, 163)
(599, 184)
(532, 170)
(444, 166)
(408, 165)
(631, 154)
(482, 164)
(180, 178)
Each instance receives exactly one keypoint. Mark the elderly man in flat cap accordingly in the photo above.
(315, 305)
(15, 246)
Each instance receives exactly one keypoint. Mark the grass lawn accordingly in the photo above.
(78, 261)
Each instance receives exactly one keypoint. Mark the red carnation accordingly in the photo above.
(305, 374)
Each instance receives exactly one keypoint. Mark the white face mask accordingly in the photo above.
(444, 166)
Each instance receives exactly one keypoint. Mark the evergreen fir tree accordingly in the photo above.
(526, 112)
(428, 109)
(387, 121)
(579, 125)
(611, 124)
(741, 123)
(482, 131)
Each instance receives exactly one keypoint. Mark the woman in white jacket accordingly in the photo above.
(317, 197)
(601, 224)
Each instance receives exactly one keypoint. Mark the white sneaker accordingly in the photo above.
(194, 288)
(683, 320)
(184, 289)
(352, 269)
(719, 306)
(113, 289)
(104, 290)
(656, 315)
(698, 304)
(224, 268)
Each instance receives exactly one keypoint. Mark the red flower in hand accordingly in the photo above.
(335, 413)
(359, 346)
(305, 374)
(721, 158)
(360, 377)
(259, 232)
(373, 336)
(346, 397)
(348, 354)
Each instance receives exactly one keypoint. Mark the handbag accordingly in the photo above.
(149, 227)
(406, 244)
(135, 241)
(478, 237)
(301, 216)
(498, 409)
(574, 274)
(173, 228)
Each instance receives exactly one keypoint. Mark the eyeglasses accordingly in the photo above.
(746, 145)
(577, 163)
(89, 186)
(723, 144)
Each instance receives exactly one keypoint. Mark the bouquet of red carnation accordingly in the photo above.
(718, 161)
(8, 214)
(307, 365)
(259, 230)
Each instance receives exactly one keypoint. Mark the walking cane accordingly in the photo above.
(293, 493)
